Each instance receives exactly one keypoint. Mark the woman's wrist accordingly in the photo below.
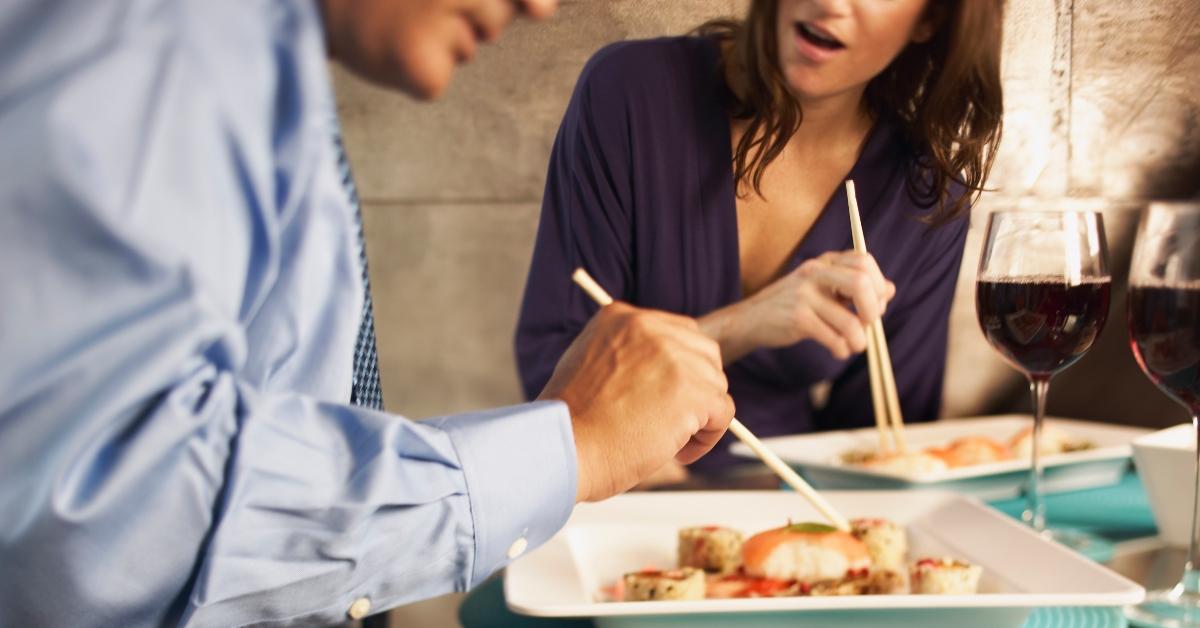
(730, 328)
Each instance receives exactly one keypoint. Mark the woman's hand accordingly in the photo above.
(827, 299)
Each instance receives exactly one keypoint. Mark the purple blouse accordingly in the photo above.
(640, 192)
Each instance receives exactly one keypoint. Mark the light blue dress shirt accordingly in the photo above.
(179, 297)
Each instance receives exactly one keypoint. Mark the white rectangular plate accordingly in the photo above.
(818, 456)
(602, 541)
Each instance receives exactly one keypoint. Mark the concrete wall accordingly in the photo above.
(1101, 104)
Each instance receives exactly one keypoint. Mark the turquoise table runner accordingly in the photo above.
(1112, 513)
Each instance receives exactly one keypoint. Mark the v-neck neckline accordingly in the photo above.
(832, 220)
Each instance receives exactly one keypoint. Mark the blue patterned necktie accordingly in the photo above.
(365, 390)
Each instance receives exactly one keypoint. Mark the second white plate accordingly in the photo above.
(818, 456)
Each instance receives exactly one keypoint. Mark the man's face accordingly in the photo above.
(414, 45)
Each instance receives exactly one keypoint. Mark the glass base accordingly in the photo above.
(1168, 608)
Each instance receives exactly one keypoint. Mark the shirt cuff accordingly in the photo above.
(520, 468)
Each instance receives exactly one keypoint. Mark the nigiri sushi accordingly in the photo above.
(911, 463)
(1054, 441)
(805, 552)
(971, 450)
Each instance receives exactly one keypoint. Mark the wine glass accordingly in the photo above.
(1164, 329)
(1042, 299)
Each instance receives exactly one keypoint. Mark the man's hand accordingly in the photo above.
(643, 387)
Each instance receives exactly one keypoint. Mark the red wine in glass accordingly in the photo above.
(1042, 298)
(1164, 333)
(1164, 330)
(1042, 324)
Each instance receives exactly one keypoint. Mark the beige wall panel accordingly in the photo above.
(490, 137)
(1033, 153)
(1031, 160)
(1135, 116)
(447, 281)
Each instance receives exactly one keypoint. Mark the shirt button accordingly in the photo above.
(517, 548)
(359, 608)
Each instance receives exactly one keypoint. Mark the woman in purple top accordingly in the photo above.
(683, 179)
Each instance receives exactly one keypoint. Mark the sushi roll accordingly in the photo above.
(711, 548)
(885, 582)
(972, 450)
(944, 576)
(805, 552)
(912, 463)
(886, 542)
(677, 584)
(1054, 441)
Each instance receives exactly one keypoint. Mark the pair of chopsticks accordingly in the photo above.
(589, 285)
(888, 418)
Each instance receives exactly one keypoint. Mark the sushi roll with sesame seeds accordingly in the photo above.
(805, 552)
(676, 584)
(886, 582)
(944, 576)
(886, 542)
(712, 548)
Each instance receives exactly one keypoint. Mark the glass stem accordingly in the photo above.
(1191, 572)
(1035, 507)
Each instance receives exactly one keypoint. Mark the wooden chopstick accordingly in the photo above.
(879, 359)
(877, 397)
(781, 468)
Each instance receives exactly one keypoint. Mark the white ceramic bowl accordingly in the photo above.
(1165, 462)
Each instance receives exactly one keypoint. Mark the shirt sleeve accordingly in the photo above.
(146, 479)
(585, 221)
(142, 480)
(917, 329)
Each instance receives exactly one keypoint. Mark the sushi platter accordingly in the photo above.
(611, 559)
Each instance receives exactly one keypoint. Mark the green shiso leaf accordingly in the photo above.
(810, 528)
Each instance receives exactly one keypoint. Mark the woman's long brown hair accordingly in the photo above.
(943, 94)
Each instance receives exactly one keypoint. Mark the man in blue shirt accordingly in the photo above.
(179, 299)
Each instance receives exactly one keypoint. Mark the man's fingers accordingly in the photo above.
(491, 17)
(686, 332)
(710, 434)
(537, 9)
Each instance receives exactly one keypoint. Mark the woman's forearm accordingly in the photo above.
(730, 327)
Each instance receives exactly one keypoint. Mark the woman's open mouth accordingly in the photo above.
(821, 43)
